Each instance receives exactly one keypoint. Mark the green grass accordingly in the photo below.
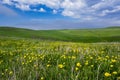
(80, 35)
(54, 54)
(29, 59)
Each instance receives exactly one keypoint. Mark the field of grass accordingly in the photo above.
(54, 54)
(29, 59)
(80, 35)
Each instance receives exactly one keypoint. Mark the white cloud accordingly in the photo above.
(72, 8)
(23, 7)
(7, 2)
(105, 12)
(42, 10)
(55, 11)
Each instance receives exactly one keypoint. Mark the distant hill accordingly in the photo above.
(113, 27)
(109, 34)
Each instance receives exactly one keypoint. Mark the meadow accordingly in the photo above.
(28, 59)
(85, 54)
(110, 34)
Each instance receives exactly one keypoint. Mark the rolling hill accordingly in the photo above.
(74, 35)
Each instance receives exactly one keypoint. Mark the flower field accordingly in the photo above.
(24, 59)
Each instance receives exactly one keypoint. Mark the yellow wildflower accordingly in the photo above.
(48, 65)
(107, 74)
(10, 72)
(42, 78)
(73, 57)
(92, 65)
(78, 64)
(86, 63)
(60, 66)
(111, 65)
(6, 70)
(2, 73)
(91, 57)
(76, 68)
(113, 60)
(114, 72)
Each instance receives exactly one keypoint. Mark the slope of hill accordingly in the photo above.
(74, 35)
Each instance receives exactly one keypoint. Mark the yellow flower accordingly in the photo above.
(113, 60)
(1, 61)
(63, 56)
(42, 78)
(48, 65)
(6, 70)
(24, 56)
(91, 57)
(92, 65)
(60, 66)
(107, 74)
(23, 63)
(114, 72)
(86, 63)
(2, 73)
(111, 65)
(78, 64)
(35, 65)
(107, 56)
(10, 72)
(76, 68)
(73, 57)
(102, 51)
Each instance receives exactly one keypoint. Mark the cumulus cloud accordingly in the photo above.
(42, 10)
(23, 7)
(73, 8)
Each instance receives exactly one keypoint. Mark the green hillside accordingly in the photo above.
(74, 35)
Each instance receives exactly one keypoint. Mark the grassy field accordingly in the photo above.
(25, 59)
(55, 55)
(80, 35)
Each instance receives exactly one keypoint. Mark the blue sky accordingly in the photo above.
(59, 14)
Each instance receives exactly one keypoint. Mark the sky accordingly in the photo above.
(59, 14)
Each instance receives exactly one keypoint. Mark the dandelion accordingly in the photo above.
(60, 66)
(1, 61)
(35, 65)
(23, 63)
(6, 70)
(86, 63)
(73, 57)
(91, 57)
(111, 65)
(113, 60)
(63, 62)
(42, 78)
(92, 65)
(76, 68)
(10, 72)
(107, 74)
(63, 56)
(114, 72)
(107, 56)
(48, 65)
(78, 64)
(102, 51)
(24, 56)
(2, 73)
